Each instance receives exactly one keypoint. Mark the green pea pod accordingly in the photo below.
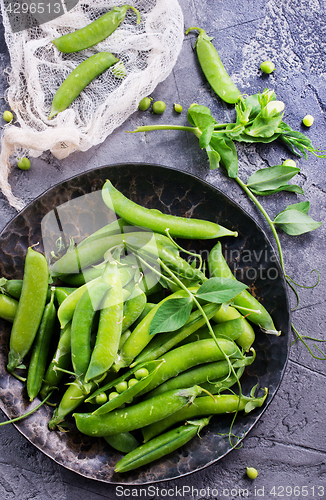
(94, 32)
(131, 392)
(61, 293)
(14, 288)
(161, 445)
(187, 356)
(79, 78)
(60, 362)
(150, 284)
(123, 442)
(90, 253)
(115, 227)
(231, 329)
(135, 416)
(247, 337)
(8, 308)
(173, 261)
(69, 304)
(179, 227)
(81, 325)
(30, 308)
(194, 376)
(162, 343)
(140, 336)
(223, 403)
(40, 350)
(133, 307)
(91, 273)
(257, 313)
(110, 326)
(71, 399)
(213, 68)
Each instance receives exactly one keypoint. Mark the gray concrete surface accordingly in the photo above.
(288, 445)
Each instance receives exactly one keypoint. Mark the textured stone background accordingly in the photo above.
(288, 445)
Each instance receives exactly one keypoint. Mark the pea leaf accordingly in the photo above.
(220, 290)
(214, 157)
(171, 315)
(206, 135)
(303, 207)
(226, 149)
(200, 116)
(272, 180)
(294, 220)
(292, 188)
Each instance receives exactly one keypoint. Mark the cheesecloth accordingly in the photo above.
(148, 51)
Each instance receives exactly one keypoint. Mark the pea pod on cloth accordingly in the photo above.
(161, 445)
(179, 227)
(30, 308)
(213, 68)
(94, 32)
(77, 80)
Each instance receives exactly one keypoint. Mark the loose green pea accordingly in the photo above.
(141, 373)
(23, 163)
(122, 386)
(8, 116)
(101, 398)
(113, 395)
(177, 108)
(252, 472)
(308, 120)
(159, 107)
(267, 67)
(145, 103)
(132, 382)
(289, 163)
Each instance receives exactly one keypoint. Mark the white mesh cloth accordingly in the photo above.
(148, 50)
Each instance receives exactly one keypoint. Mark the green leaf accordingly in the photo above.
(214, 157)
(291, 188)
(171, 315)
(200, 116)
(220, 290)
(263, 126)
(295, 222)
(206, 135)
(226, 149)
(271, 178)
(303, 207)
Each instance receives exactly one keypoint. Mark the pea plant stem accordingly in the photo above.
(148, 128)
(267, 217)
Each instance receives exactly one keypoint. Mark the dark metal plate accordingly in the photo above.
(251, 256)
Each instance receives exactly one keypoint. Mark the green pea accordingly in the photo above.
(141, 373)
(145, 103)
(252, 472)
(177, 108)
(23, 163)
(289, 163)
(267, 67)
(122, 386)
(8, 116)
(159, 107)
(113, 395)
(308, 120)
(101, 398)
(132, 382)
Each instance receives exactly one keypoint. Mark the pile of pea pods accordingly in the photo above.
(120, 374)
